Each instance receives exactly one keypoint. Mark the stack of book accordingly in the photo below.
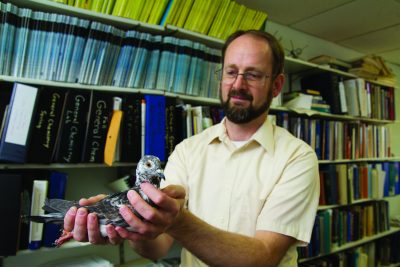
(71, 49)
(217, 18)
(374, 68)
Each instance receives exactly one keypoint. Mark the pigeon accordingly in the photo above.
(148, 170)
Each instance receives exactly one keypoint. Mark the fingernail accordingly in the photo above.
(81, 212)
(72, 211)
(92, 218)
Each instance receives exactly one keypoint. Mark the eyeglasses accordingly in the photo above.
(252, 77)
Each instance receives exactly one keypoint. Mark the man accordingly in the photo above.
(241, 193)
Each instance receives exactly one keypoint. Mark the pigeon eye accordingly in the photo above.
(148, 164)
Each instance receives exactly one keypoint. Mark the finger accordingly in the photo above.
(125, 234)
(130, 218)
(148, 233)
(147, 211)
(161, 199)
(175, 191)
(94, 235)
(113, 236)
(91, 200)
(69, 219)
(80, 227)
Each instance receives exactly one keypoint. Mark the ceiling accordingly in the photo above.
(366, 26)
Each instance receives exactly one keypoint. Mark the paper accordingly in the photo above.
(21, 114)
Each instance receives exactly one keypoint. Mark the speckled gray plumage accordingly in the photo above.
(148, 170)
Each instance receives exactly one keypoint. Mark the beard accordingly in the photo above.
(241, 115)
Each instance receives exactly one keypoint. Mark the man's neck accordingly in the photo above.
(243, 132)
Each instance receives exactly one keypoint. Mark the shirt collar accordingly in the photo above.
(263, 136)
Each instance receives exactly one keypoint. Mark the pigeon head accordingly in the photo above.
(149, 170)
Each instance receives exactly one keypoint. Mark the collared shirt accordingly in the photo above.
(270, 183)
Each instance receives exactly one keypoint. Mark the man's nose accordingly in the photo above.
(240, 81)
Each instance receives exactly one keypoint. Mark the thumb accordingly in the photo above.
(174, 191)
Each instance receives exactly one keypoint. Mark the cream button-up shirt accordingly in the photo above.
(270, 183)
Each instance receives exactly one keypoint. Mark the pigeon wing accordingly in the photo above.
(56, 205)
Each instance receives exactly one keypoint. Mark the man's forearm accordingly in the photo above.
(220, 248)
(153, 249)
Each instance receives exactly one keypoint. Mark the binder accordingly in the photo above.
(155, 126)
(45, 124)
(10, 202)
(111, 149)
(17, 125)
(57, 186)
(131, 129)
(71, 133)
(101, 108)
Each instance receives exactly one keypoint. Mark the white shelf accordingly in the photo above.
(318, 114)
(67, 245)
(361, 160)
(15, 166)
(354, 244)
(354, 202)
(106, 88)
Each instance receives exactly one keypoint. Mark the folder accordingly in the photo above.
(18, 120)
(111, 149)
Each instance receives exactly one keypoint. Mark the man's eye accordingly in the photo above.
(231, 73)
(253, 75)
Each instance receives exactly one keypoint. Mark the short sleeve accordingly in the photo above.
(291, 207)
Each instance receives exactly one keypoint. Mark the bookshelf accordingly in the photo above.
(354, 244)
(295, 68)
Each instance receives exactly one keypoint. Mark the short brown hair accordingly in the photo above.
(277, 50)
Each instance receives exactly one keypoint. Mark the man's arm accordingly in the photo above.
(221, 248)
(213, 246)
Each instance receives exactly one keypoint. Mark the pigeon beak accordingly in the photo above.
(161, 174)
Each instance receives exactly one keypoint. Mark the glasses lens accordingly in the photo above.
(230, 76)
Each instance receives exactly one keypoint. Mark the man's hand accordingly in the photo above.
(85, 227)
(169, 202)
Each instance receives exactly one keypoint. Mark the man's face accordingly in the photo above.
(244, 100)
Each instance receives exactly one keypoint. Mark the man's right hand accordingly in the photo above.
(85, 227)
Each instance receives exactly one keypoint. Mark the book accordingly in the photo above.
(57, 187)
(331, 62)
(39, 193)
(17, 124)
(153, 62)
(46, 121)
(297, 100)
(352, 98)
(131, 128)
(155, 126)
(10, 205)
(171, 126)
(100, 112)
(328, 84)
(71, 133)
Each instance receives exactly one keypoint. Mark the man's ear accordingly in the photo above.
(277, 85)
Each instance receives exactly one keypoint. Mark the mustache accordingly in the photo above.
(240, 94)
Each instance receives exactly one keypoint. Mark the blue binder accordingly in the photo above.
(155, 126)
